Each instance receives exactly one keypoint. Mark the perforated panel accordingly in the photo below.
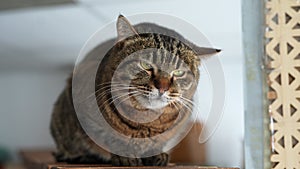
(283, 62)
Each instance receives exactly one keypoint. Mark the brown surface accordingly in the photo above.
(107, 167)
(37, 159)
(43, 159)
(188, 151)
(194, 152)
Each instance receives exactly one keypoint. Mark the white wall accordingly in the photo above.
(27, 98)
(34, 43)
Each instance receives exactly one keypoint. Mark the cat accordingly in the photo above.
(165, 79)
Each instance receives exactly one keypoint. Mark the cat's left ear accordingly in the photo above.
(124, 28)
(203, 52)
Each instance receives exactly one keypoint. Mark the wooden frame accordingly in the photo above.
(272, 52)
(43, 159)
(283, 61)
(253, 43)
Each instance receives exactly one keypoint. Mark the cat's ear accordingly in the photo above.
(124, 28)
(204, 52)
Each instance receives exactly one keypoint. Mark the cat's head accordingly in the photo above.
(157, 70)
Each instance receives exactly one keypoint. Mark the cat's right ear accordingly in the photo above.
(204, 52)
(124, 28)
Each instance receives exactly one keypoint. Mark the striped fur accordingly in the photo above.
(171, 53)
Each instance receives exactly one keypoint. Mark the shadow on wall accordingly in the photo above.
(189, 150)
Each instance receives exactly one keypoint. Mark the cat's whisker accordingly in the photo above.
(115, 85)
(187, 112)
(112, 99)
(143, 87)
(105, 83)
(111, 86)
(93, 93)
(106, 92)
(193, 105)
(188, 100)
(88, 97)
(182, 102)
(109, 83)
(123, 100)
(144, 91)
(196, 108)
(99, 97)
(185, 101)
(188, 105)
(172, 103)
(127, 94)
(174, 95)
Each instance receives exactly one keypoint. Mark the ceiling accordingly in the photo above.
(17, 4)
(50, 33)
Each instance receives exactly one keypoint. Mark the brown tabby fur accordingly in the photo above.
(75, 146)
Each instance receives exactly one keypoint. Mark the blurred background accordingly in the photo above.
(40, 40)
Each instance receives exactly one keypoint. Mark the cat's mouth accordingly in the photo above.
(153, 99)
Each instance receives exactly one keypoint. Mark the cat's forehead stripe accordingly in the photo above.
(178, 63)
(175, 60)
(169, 50)
(153, 59)
(164, 55)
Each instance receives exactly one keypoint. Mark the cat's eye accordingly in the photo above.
(178, 73)
(146, 65)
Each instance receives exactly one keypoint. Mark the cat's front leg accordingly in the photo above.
(125, 161)
(158, 160)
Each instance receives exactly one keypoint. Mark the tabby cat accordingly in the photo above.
(163, 79)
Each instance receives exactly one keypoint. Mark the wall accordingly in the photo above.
(27, 98)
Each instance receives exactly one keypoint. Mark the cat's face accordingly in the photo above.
(156, 77)
(149, 71)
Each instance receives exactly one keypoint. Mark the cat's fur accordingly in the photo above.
(74, 145)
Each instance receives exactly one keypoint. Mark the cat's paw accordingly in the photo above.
(125, 161)
(158, 160)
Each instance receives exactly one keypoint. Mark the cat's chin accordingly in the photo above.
(154, 103)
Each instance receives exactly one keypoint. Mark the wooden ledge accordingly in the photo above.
(68, 166)
(43, 159)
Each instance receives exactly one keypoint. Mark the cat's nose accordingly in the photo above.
(161, 91)
(162, 85)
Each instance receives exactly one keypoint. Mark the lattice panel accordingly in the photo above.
(283, 60)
